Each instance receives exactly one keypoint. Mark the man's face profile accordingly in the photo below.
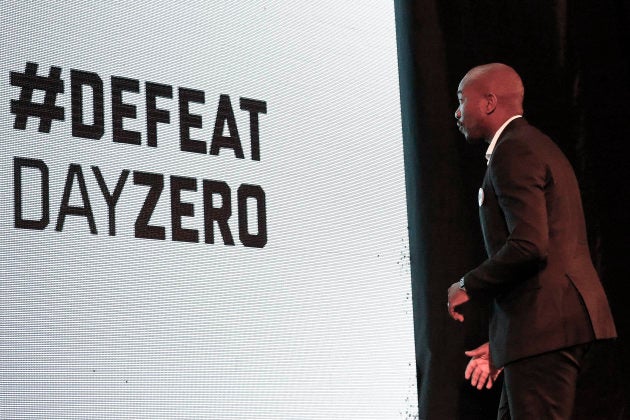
(468, 114)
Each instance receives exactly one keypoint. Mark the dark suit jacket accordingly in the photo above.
(539, 275)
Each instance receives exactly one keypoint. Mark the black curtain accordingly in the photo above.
(575, 64)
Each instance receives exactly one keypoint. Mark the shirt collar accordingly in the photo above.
(493, 143)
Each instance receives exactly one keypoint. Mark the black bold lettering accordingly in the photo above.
(217, 214)
(180, 209)
(122, 110)
(154, 114)
(231, 141)
(79, 79)
(19, 220)
(188, 120)
(111, 199)
(74, 171)
(254, 107)
(245, 192)
(142, 227)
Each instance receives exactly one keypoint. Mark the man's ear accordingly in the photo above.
(491, 103)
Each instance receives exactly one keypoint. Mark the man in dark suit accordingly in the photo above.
(548, 305)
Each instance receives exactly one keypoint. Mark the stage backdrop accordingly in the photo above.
(202, 212)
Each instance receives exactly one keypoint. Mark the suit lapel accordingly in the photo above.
(493, 224)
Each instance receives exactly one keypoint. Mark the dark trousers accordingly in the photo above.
(542, 386)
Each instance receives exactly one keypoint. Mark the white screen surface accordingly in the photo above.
(306, 316)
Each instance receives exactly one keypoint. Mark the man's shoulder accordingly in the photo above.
(522, 137)
(524, 149)
(521, 129)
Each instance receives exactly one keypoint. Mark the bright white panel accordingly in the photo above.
(309, 319)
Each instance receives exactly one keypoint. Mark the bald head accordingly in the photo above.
(500, 80)
(488, 96)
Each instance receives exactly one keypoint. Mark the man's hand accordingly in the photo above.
(456, 297)
(480, 370)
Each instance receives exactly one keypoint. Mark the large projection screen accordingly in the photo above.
(203, 212)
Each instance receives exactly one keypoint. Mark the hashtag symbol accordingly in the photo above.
(25, 107)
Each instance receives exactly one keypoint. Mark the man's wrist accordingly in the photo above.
(462, 285)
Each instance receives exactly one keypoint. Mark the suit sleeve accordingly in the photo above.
(519, 178)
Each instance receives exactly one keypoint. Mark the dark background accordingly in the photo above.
(575, 65)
